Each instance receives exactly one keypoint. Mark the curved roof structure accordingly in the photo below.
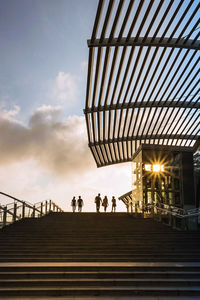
(143, 77)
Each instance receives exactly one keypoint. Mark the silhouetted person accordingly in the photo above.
(73, 204)
(98, 202)
(113, 204)
(105, 203)
(80, 203)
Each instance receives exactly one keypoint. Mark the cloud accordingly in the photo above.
(58, 146)
(84, 65)
(25, 181)
(50, 159)
(65, 88)
(9, 114)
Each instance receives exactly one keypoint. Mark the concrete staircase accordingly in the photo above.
(89, 254)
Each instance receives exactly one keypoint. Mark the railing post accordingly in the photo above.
(159, 215)
(170, 219)
(23, 210)
(14, 212)
(33, 211)
(4, 215)
(173, 221)
(46, 203)
(185, 226)
(49, 205)
(152, 211)
(41, 209)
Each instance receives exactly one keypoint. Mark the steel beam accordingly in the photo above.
(144, 137)
(167, 104)
(140, 41)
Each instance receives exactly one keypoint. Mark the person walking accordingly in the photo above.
(80, 204)
(105, 203)
(113, 204)
(73, 204)
(98, 202)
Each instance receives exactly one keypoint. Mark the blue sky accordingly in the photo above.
(43, 146)
(38, 40)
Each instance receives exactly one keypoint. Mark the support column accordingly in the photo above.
(4, 216)
(34, 211)
(46, 204)
(15, 212)
(23, 210)
(41, 209)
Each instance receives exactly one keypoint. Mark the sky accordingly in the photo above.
(44, 150)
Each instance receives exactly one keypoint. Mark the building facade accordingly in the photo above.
(163, 175)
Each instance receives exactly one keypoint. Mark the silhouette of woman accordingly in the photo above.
(105, 203)
(113, 204)
(80, 203)
(73, 204)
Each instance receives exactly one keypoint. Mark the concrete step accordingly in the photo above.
(84, 255)
(98, 252)
(100, 291)
(105, 282)
(88, 258)
(100, 275)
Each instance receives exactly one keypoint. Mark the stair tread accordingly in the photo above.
(125, 256)
(102, 280)
(197, 288)
(101, 272)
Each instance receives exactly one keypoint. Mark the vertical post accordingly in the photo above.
(131, 207)
(49, 205)
(174, 222)
(23, 210)
(34, 211)
(41, 209)
(46, 203)
(15, 212)
(170, 219)
(4, 216)
(152, 211)
(159, 215)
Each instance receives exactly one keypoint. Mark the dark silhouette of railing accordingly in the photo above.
(177, 218)
(20, 209)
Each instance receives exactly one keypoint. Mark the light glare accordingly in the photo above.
(158, 168)
(147, 167)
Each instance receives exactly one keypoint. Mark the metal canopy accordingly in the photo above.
(127, 199)
(143, 77)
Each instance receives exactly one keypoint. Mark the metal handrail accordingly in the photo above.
(182, 213)
(9, 196)
(28, 204)
(174, 213)
(13, 212)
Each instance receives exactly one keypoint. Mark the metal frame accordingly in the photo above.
(18, 207)
(143, 77)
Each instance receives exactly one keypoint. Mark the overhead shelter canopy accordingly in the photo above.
(143, 77)
(127, 198)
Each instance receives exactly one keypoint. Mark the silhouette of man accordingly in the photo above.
(105, 203)
(113, 204)
(80, 203)
(98, 202)
(73, 204)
